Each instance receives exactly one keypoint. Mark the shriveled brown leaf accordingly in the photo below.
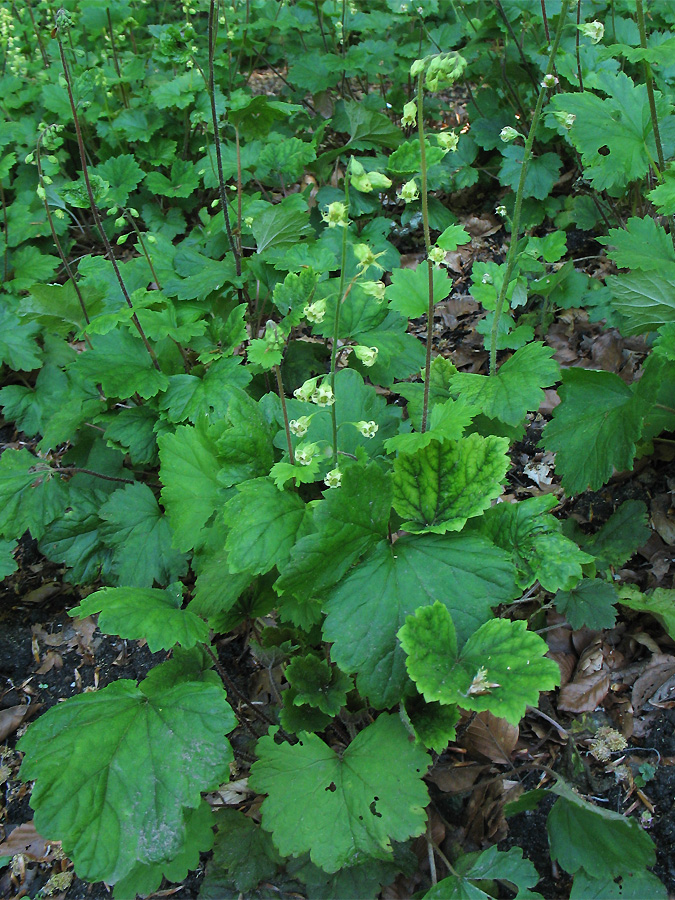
(456, 777)
(491, 737)
(584, 694)
(655, 683)
(482, 226)
(11, 718)
(566, 663)
(607, 351)
(42, 593)
(26, 840)
(485, 822)
(663, 518)
(52, 660)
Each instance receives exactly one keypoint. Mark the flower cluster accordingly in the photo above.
(312, 392)
(15, 60)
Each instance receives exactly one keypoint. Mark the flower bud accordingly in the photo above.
(417, 67)
(366, 355)
(500, 210)
(508, 134)
(444, 70)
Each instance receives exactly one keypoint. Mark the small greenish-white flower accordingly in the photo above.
(333, 479)
(305, 453)
(437, 255)
(335, 215)
(366, 355)
(594, 30)
(448, 140)
(565, 119)
(315, 312)
(299, 426)
(549, 81)
(366, 257)
(409, 191)
(59, 213)
(500, 210)
(367, 429)
(374, 289)
(305, 391)
(248, 221)
(508, 134)
(323, 395)
(487, 278)
(409, 113)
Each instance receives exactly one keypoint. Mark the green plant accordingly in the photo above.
(227, 451)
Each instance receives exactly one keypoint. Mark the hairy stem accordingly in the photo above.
(649, 81)
(94, 208)
(427, 247)
(55, 237)
(336, 321)
(282, 397)
(216, 136)
(515, 224)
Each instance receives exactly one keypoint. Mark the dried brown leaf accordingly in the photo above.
(26, 840)
(11, 718)
(655, 683)
(584, 694)
(490, 737)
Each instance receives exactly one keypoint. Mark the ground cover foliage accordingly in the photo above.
(235, 424)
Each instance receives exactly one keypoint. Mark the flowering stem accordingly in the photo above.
(427, 246)
(55, 237)
(216, 136)
(649, 81)
(515, 224)
(282, 397)
(94, 208)
(336, 321)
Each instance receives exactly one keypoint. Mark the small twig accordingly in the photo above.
(74, 470)
(430, 853)
(232, 687)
